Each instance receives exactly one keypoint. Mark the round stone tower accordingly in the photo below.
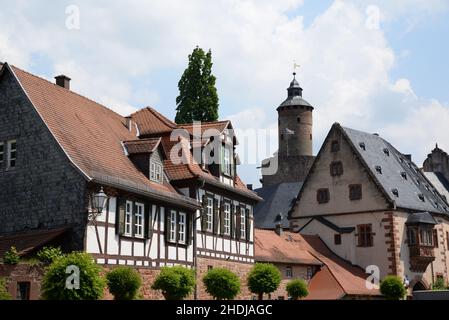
(295, 123)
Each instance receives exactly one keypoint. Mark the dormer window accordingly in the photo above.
(379, 169)
(421, 197)
(362, 145)
(386, 151)
(395, 192)
(404, 175)
(155, 171)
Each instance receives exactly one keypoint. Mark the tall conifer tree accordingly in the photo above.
(198, 99)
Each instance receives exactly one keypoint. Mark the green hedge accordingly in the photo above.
(176, 283)
(123, 283)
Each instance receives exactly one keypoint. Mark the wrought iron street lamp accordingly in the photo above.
(98, 203)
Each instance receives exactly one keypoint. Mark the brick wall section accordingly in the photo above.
(392, 240)
(23, 273)
(44, 190)
(241, 269)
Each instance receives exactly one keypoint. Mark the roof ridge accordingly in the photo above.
(67, 90)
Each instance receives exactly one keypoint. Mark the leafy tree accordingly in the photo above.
(91, 284)
(176, 282)
(4, 294)
(297, 289)
(49, 254)
(123, 283)
(198, 99)
(221, 283)
(439, 284)
(263, 278)
(11, 256)
(392, 288)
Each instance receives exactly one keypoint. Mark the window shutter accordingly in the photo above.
(167, 224)
(222, 217)
(148, 221)
(216, 215)
(120, 216)
(204, 213)
(248, 225)
(238, 223)
(232, 222)
(189, 232)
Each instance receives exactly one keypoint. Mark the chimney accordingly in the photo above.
(249, 186)
(128, 123)
(63, 81)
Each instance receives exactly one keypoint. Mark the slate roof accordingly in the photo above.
(421, 218)
(398, 173)
(439, 182)
(91, 136)
(278, 199)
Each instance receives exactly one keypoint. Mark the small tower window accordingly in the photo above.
(335, 146)
(310, 136)
(298, 119)
(282, 136)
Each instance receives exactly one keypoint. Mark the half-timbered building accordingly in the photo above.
(60, 152)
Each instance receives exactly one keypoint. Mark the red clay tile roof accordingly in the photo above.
(189, 170)
(350, 278)
(335, 279)
(29, 241)
(96, 149)
(219, 126)
(142, 145)
(269, 247)
(151, 122)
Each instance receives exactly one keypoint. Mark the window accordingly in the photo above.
(289, 272)
(426, 236)
(226, 160)
(378, 169)
(309, 273)
(404, 175)
(2, 152)
(227, 219)
(395, 192)
(128, 218)
(386, 151)
(412, 236)
(421, 197)
(335, 146)
(365, 235)
(139, 220)
(12, 153)
(298, 119)
(210, 214)
(336, 168)
(23, 290)
(435, 238)
(337, 239)
(155, 171)
(172, 236)
(322, 195)
(355, 192)
(182, 227)
(242, 223)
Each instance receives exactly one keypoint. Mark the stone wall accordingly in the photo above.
(289, 169)
(44, 190)
(22, 273)
(241, 269)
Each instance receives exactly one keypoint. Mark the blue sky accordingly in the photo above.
(378, 66)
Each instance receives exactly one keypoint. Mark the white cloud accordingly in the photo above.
(345, 64)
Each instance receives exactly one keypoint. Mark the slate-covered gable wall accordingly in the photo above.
(44, 190)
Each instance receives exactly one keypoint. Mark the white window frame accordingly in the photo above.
(182, 227)
(128, 218)
(10, 151)
(172, 226)
(242, 223)
(139, 220)
(227, 160)
(210, 214)
(2, 153)
(227, 219)
(155, 171)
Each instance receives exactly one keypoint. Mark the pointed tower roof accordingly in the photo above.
(294, 96)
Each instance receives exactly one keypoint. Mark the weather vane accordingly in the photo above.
(295, 65)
